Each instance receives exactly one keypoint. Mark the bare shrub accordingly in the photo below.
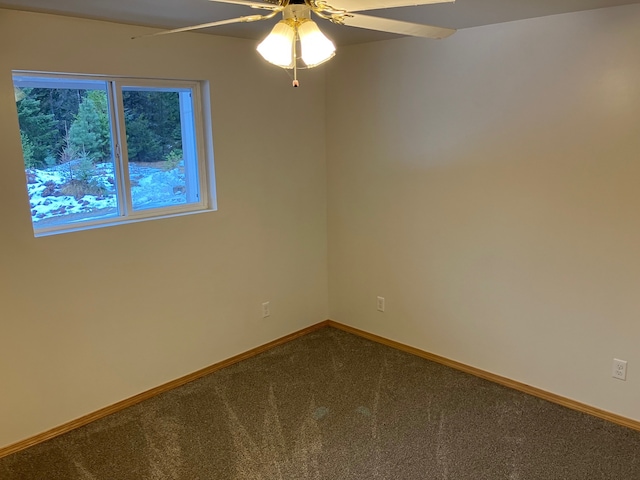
(79, 188)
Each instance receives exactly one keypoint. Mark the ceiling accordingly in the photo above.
(180, 13)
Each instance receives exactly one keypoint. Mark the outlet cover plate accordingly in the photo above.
(619, 369)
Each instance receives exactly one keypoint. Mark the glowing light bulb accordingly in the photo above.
(277, 48)
(316, 47)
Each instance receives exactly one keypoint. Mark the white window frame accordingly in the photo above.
(203, 149)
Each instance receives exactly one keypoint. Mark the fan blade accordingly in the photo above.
(362, 5)
(393, 26)
(249, 18)
(267, 4)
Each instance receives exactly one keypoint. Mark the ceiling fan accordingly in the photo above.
(296, 30)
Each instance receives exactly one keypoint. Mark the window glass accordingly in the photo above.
(161, 147)
(99, 151)
(67, 146)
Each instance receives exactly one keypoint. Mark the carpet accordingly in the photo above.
(331, 405)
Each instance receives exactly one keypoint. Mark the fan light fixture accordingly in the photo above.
(279, 48)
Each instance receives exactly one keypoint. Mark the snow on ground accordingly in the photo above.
(156, 187)
(150, 187)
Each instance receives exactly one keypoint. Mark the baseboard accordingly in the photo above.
(507, 382)
(116, 407)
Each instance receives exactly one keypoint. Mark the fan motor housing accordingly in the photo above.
(297, 11)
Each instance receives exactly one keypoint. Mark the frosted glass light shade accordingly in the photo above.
(316, 47)
(277, 48)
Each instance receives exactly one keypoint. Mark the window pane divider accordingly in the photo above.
(123, 161)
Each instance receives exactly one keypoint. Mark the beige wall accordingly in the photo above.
(488, 186)
(93, 317)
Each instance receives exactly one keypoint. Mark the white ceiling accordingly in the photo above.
(179, 13)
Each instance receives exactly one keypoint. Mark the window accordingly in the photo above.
(99, 151)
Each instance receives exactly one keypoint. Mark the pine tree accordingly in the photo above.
(63, 104)
(99, 99)
(27, 151)
(89, 131)
(36, 125)
(153, 124)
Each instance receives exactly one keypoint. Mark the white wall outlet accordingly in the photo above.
(619, 369)
(266, 311)
(381, 304)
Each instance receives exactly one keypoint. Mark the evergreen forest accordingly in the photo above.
(58, 125)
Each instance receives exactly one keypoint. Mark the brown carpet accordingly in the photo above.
(334, 406)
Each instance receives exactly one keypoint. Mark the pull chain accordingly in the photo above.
(295, 63)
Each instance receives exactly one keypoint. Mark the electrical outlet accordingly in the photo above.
(265, 310)
(619, 369)
(381, 304)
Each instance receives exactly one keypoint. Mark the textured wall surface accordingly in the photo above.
(93, 317)
(487, 186)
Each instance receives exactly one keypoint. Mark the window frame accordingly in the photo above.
(126, 213)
